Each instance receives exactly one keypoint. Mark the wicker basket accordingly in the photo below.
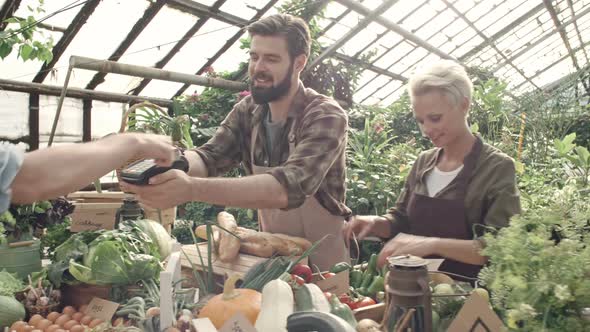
(42, 310)
(123, 128)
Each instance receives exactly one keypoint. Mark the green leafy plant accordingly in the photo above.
(30, 47)
(149, 118)
(20, 222)
(578, 156)
(538, 270)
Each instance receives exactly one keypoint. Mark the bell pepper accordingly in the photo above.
(365, 301)
(377, 285)
(339, 267)
(342, 310)
(303, 271)
(356, 278)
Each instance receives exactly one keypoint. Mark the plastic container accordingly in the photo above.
(22, 259)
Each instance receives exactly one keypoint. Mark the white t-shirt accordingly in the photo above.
(437, 180)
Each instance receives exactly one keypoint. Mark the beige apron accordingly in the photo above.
(311, 220)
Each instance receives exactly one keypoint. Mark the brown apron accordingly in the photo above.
(310, 221)
(447, 218)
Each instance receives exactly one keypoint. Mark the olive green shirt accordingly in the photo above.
(492, 195)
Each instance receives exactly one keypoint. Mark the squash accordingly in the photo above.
(229, 244)
(309, 297)
(11, 311)
(222, 307)
(277, 305)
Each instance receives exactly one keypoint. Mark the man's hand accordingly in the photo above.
(406, 244)
(165, 190)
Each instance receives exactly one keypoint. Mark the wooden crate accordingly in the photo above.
(240, 265)
(94, 208)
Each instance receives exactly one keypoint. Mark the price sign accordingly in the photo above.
(103, 309)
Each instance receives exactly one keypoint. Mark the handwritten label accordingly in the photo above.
(238, 323)
(103, 309)
(93, 216)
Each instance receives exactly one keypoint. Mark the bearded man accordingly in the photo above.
(290, 140)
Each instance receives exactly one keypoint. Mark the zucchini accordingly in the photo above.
(317, 321)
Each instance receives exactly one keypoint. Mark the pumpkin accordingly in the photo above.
(224, 306)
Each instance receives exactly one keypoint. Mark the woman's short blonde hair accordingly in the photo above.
(446, 76)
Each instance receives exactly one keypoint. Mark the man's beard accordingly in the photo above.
(263, 95)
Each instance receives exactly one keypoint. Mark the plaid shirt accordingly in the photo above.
(316, 167)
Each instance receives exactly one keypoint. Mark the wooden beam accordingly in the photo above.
(203, 11)
(493, 38)
(54, 90)
(7, 10)
(141, 23)
(227, 45)
(67, 38)
(488, 41)
(564, 38)
(86, 120)
(177, 47)
(150, 72)
(33, 121)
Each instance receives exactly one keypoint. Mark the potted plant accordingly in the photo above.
(20, 250)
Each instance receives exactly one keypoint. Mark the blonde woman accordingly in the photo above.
(461, 182)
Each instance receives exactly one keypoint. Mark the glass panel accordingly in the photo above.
(375, 84)
(67, 11)
(100, 36)
(106, 118)
(14, 114)
(555, 71)
(241, 8)
(393, 97)
(361, 39)
(69, 125)
(154, 42)
(400, 51)
(401, 9)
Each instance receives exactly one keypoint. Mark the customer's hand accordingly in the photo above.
(157, 147)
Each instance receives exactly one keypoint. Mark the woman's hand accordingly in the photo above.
(406, 244)
(366, 225)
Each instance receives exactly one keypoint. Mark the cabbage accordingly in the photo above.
(158, 234)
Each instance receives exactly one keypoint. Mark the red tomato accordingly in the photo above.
(328, 275)
(297, 279)
(303, 271)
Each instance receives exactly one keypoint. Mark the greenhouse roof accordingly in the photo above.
(530, 44)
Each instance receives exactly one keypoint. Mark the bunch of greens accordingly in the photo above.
(10, 283)
(114, 257)
(538, 272)
(20, 221)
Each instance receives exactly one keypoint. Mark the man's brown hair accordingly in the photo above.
(293, 28)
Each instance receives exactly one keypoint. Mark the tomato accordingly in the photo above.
(365, 301)
(328, 275)
(303, 271)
